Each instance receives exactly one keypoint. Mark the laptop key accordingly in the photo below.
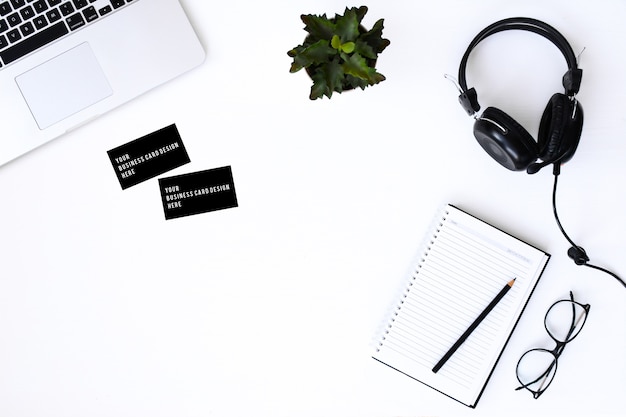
(40, 6)
(14, 19)
(105, 10)
(53, 15)
(66, 8)
(5, 8)
(75, 21)
(27, 12)
(90, 14)
(33, 43)
(40, 22)
(14, 35)
(27, 29)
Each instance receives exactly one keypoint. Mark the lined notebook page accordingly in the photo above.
(464, 265)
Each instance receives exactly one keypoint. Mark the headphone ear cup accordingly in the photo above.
(560, 129)
(505, 140)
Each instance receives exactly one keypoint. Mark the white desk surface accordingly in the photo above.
(272, 308)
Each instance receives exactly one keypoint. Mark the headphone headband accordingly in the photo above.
(571, 79)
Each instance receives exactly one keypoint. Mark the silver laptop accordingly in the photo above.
(65, 62)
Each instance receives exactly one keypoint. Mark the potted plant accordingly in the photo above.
(339, 53)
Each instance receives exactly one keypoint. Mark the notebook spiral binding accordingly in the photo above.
(435, 227)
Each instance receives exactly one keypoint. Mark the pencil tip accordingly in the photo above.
(511, 282)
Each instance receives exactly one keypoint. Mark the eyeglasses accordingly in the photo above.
(563, 322)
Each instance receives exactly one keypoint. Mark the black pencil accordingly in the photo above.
(473, 326)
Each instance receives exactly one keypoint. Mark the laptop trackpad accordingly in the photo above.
(64, 85)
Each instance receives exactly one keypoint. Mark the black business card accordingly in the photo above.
(198, 192)
(148, 156)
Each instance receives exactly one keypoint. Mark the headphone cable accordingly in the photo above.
(577, 253)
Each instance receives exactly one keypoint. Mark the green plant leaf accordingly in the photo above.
(327, 79)
(355, 82)
(319, 88)
(299, 62)
(360, 13)
(347, 26)
(319, 27)
(313, 54)
(374, 37)
(363, 49)
(348, 47)
(295, 51)
(319, 51)
(334, 76)
(356, 66)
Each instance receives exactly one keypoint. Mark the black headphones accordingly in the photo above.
(559, 129)
(561, 123)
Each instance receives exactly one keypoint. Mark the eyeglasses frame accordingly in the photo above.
(558, 350)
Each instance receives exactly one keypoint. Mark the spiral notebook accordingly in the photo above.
(465, 262)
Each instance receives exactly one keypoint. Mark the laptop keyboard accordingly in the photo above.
(27, 25)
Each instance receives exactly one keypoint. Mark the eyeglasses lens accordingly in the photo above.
(536, 369)
(564, 320)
